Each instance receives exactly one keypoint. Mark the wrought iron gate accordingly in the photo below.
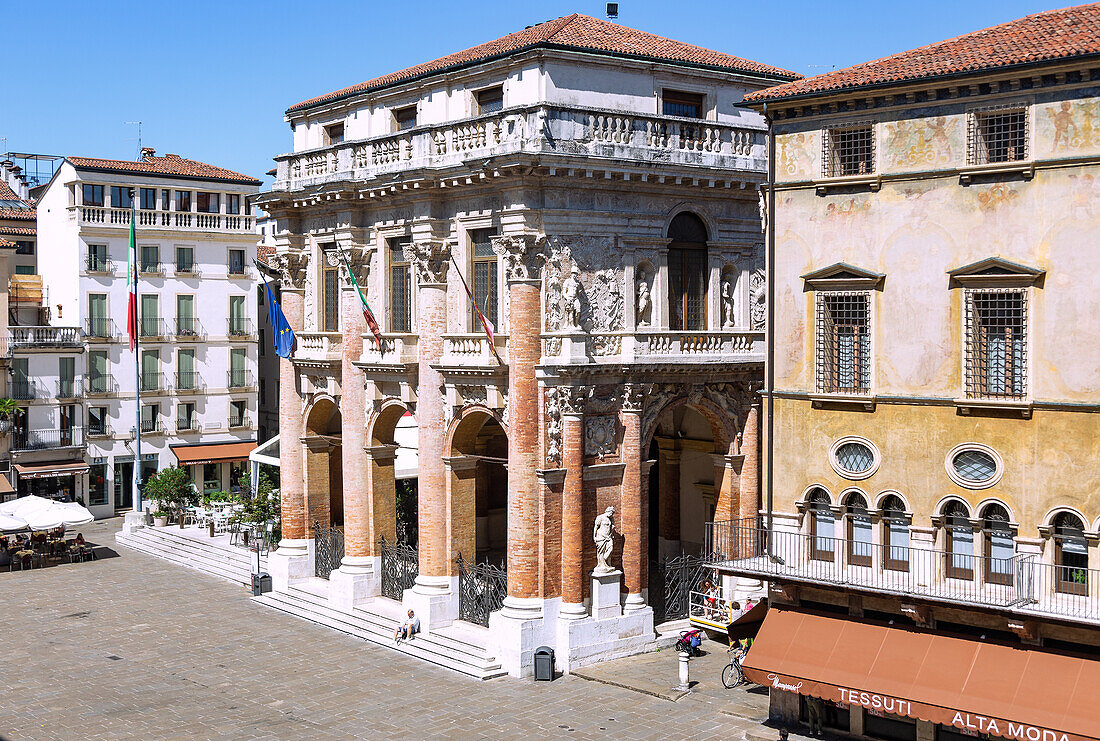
(675, 579)
(481, 590)
(400, 565)
(328, 549)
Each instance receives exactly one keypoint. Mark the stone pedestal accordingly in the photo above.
(357, 580)
(518, 628)
(609, 632)
(434, 599)
(133, 521)
(291, 561)
(605, 595)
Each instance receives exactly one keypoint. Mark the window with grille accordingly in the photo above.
(490, 101)
(400, 288)
(685, 105)
(485, 277)
(687, 273)
(997, 135)
(996, 347)
(330, 300)
(405, 118)
(849, 150)
(844, 343)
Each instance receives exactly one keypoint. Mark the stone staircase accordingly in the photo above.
(459, 647)
(215, 557)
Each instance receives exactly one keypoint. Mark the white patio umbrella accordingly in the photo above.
(23, 505)
(9, 524)
(40, 513)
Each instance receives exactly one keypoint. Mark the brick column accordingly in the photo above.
(749, 485)
(572, 509)
(291, 428)
(633, 500)
(382, 496)
(356, 467)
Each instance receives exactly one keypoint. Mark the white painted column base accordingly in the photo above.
(356, 581)
(133, 521)
(518, 628)
(610, 632)
(291, 561)
(434, 599)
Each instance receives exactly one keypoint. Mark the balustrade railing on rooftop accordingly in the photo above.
(35, 337)
(163, 219)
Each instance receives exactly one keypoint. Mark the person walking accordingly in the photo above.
(814, 713)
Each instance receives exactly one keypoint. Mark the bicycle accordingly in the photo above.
(732, 675)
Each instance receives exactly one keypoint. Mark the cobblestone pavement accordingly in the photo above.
(131, 647)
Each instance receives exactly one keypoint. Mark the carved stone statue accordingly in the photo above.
(644, 304)
(571, 298)
(603, 533)
(727, 301)
(758, 295)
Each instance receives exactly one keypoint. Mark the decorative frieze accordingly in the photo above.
(758, 300)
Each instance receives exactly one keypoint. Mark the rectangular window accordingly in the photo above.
(238, 376)
(93, 195)
(330, 319)
(21, 386)
(185, 316)
(97, 484)
(208, 203)
(490, 101)
(684, 105)
(97, 420)
(186, 378)
(687, 280)
(97, 379)
(238, 413)
(185, 259)
(150, 258)
(149, 198)
(405, 118)
(998, 135)
(120, 196)
(149, 417)
(150, 315)
(183, 200)
(843, 343)
(334, 133)
(996, 347)
(165, 200)
(97, 258)
(485, 276)
(24, 270)
(232, 203)
(859, 538)
(238, 323)
(400, 307)
(66, 378)
(24, 247)
(185, 416)
(211, 477)
(236, 262)
(263, 392)
(150, 370)
(849, 150)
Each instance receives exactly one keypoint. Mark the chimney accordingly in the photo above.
(172, 156)
(147, 152)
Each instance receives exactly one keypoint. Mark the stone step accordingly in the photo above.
(173, 536)
(379, 630)
(217, 560)
(235, 575)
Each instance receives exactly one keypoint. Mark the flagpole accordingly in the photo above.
(135, 495)
(480, 315)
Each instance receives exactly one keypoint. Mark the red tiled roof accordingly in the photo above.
(264, 252)
(6, 243)
(19, 214)
(169, 164)
(571, 32)
(1042, 37)
(18, 231)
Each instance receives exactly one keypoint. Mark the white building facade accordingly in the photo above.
(197, 354)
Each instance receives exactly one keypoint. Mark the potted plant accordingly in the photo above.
(160, 518)
(8, 409)
(171, 489)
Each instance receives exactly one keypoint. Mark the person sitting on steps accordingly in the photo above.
(407, 629)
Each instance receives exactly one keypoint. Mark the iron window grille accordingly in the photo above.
(997, 135)
(996, 344)
(849, 150)
(400, 288)
(485, 277)
(844, 343)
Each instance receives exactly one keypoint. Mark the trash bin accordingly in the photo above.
(544, 664)
(261, 584)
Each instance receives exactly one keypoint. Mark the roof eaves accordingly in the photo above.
(167, 175)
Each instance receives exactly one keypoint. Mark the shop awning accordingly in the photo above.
(5, 485)
(748, 625)
(1007, 691)
(51, 470)
(193, 455)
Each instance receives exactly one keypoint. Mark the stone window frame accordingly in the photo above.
(976, 155)
(949, 466)
(829, 148)
(876, 458)
(820, 352)
(391, 239)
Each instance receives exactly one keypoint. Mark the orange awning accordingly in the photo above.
(5, 485)
(193, 455)
(50, 470)
(1013, 692)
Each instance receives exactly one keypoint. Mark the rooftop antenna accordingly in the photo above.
(138, 124)
(612, 11)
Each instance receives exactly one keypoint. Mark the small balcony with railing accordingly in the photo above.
(100, 385)
(239, 421)
(98, 429)
(150, 268)
(67, 389)
(152, 328)
(186, 269)
(397, 352)
(240, 328)
(321, 345)
(654, 346)
(27, 440)
(237, 269)
(188, 424)
(189, 329)
(149, 427)
(239, 379)
(1023, 583)
(42, 338)
(472, 351)
(104, 216)
(25, 389)
(152, 383)
(98, 265)
(100, 329)
(189, 382)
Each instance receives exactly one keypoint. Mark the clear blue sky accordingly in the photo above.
(210, 80)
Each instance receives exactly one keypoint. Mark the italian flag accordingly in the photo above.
(131, 282)
(368, 315)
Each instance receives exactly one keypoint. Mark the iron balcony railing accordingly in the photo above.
(151, 381)
(1021, 583)
(188, 381)
(239, 379)
(187, 424)
(99, 429)
(150, 267)
(100, 328)
(189, 329)
(23, 390)
(239, 326)
(239, 420)
(186, 268)
(23, 440)
(152, 327)
(148, 426)
(37, 337)
(68, 388)
(237, 268)
(101, 384)
(99, 264)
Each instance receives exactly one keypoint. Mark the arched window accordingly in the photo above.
(687, 273)
(960, 540)
(895, 534)
(822, 525)
(859, 529)
(1071, 556)
(998, 545)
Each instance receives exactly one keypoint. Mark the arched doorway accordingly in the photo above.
(323, 464)
(393, 484)
(479, 484)
(687, 273)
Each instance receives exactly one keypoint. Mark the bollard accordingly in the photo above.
(685, 683)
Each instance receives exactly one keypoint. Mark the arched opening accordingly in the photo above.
(998, 545)
(393, 481)
(687, 273)
(822, 525)
(959, 540)
(895, 534)
(859, 531)
(323, 465)
(479, 487)
(1071, 555)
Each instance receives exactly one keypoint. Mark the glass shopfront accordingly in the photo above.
(62, 488)
(888, 727)
(97, 482)
(834, 715)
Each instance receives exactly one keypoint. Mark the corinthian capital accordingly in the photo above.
(430, 258)
(634, 396)
(292, 269)
(522, 254)
(354, 256)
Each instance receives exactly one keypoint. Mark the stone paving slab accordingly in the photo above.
(133, 647)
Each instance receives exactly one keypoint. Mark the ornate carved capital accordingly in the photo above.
(522, 255)
(430, 257)
(292, 269)
(355, 256)
(634, 396)
(573, 399)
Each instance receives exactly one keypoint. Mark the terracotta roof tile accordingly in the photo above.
(18, 231)
(1048, 36)
(575, 31)
(6, 243)
(264, 252)
(169, 164)
(18, 214)
(6, 193)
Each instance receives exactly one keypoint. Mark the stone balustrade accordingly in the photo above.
(398, 349)
(536, 130)
(654, 346)
(319, 345)
(473, 350)
(101, 215)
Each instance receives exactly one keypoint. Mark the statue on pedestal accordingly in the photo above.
(603, 533)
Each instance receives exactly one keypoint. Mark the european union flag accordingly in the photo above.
(282, 336)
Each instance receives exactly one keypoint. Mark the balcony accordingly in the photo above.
(186, 270)
(98, 430)
(151, 383)
(188, 426)
(1022, 584)
(102, 385)
(25, 390)
(100, 329)
(68, 388)
(239, 328)
(189, 330)
(654, 347)
(321, 345)
(398, 352)
(239, 422)
(34, 338)
(188, 381)
(149, 427)
(162, 220)
(237, 270)
(550, 130)
(472, 352)
(239, 379)
(26, 440)
(152, 328)
(99, 265)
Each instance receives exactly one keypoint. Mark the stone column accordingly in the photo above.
(572, 510)
(633, 500)
(356, 579)
(434, 596)
(749, 484)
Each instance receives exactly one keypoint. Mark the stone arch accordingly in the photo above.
(476, 445)
(389, 520)
(382, 423)
(323, 462)
(945, 502)
(723, 428)
(319, 414)
(882, 496)
(695, 209)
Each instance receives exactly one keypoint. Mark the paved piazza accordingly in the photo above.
(132, 647)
